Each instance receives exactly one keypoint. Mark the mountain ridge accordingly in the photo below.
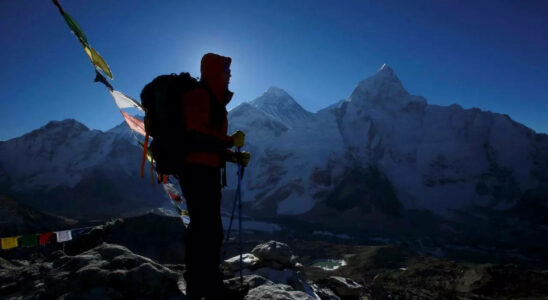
(435, 157)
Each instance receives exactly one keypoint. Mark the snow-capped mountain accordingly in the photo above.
(68, 169)
(418, 155)
(280, 105)
(379, 151)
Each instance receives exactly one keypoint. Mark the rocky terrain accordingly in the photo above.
(93, 267)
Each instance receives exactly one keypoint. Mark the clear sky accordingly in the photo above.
(487, 54)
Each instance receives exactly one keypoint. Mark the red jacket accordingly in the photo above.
(207, 124)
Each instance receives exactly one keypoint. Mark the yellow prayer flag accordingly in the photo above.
(9, 242)
(97, 60)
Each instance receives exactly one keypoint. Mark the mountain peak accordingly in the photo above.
(276, 91)
(70, 123)
(60, 129)
(385, 74)
(278, 103)
(386, 70)
(383, 84)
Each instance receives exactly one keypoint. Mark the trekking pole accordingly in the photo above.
(239, 195)
(230, 225)
(229, 230)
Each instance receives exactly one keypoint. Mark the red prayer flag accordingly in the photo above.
(175, 197)
(45, 238)
(134, 123)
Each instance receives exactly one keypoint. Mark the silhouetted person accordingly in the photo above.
(201, 176)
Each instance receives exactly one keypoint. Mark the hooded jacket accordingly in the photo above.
(205, 113)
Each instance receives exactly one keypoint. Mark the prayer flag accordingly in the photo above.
(172, 192)
(93, 55)
(9, 242)
(75, 28)
(72, 24)
(45, 238)
(97, 60)
(123, 101)
(100, 78)
(29, 240)
(134, 123)
(63, 236)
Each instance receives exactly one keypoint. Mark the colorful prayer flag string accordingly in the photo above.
(121, 100)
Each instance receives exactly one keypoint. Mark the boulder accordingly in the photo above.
(275, 252)
(249, 260)
(276, 292)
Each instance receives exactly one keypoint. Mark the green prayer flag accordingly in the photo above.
(76, 29)
(29, 240)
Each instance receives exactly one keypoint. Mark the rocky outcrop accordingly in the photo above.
(275, 261)
(105, 272)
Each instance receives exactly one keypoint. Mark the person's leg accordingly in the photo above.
(202, 191)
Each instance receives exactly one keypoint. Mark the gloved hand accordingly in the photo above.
(241, 158)
(238, 139)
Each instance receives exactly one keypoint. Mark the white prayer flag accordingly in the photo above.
(123, 101)
(63, 236)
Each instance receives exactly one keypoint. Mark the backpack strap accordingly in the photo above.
(216, 109)
(145, 148)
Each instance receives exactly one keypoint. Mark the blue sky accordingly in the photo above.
(487, 54)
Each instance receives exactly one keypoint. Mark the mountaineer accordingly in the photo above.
(187, 120)
(201, 178)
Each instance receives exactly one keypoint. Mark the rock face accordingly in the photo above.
(108, 271)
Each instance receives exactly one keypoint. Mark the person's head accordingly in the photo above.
(215, 68)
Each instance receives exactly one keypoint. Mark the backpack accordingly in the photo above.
(164, 121)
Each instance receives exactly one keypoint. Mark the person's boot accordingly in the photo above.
(193, 291)
(193, 295)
